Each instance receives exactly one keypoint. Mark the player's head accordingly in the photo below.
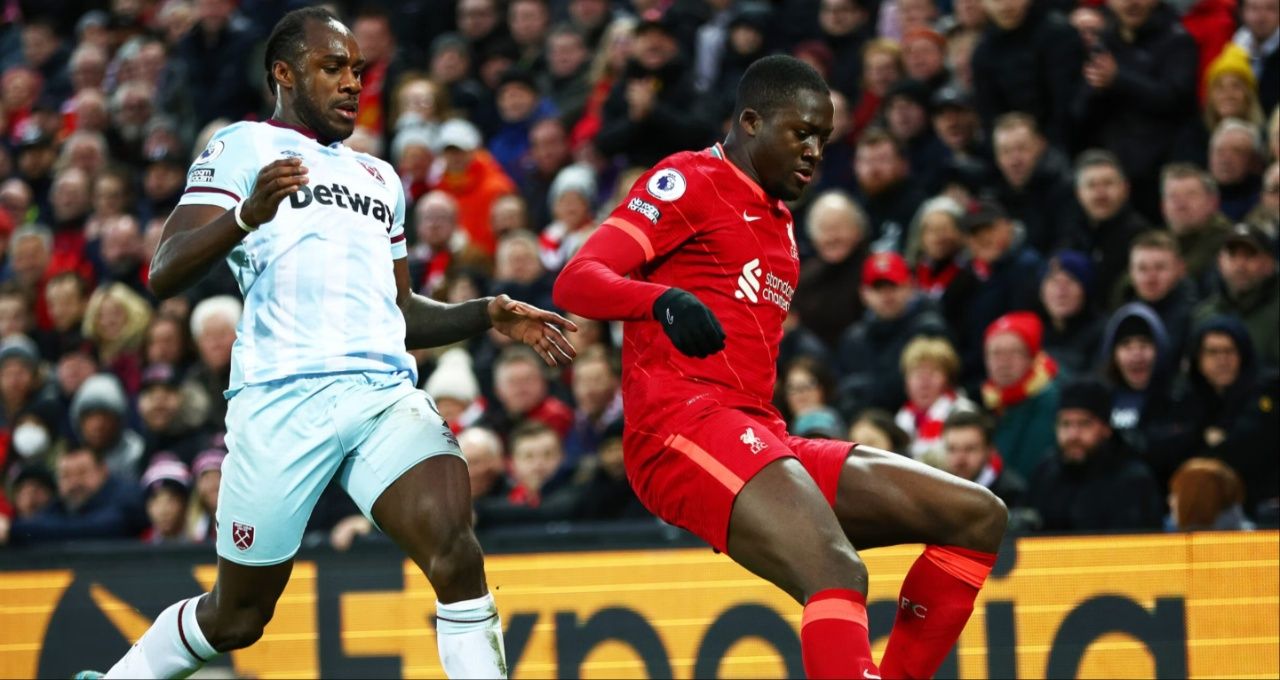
(784, 116)
(313, 65)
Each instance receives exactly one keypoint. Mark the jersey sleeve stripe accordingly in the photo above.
(634, 232)
(833, 609)
(397, 238)
(707, 462)
(210, 190)
(962, 568)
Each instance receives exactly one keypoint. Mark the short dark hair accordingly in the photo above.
(288, 38)
(530, 429)
(1156, 239)
(968, 418)
(774, 81)
(1093, 158)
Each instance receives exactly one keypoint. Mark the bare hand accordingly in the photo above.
(4, 530)
(1100, 70)
(276, 181)
(346, 531)
(537, 328)
(641, 94)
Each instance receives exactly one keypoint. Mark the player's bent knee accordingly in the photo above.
(986, 522)
(839, 566)
(238, 630)
(456, 562)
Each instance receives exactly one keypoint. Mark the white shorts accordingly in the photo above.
(287, 438)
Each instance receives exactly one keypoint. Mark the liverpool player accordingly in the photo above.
(700, 261)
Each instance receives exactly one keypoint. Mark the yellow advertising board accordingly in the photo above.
(1176, 605)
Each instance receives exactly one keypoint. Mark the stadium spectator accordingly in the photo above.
(1035, 184)
(806, 387)
(1139, 91)
(486, 464)
(875, 428)
(924, 58)
(522, 391)
(1268, 209)
(1231, 92)
(869, 351)
(1028, 60)
(1021, 390)
(33, 489)
(99, 413)
(956, 124)
(385, 64)
(441, 244)
(215, 55)
(455, 391)
(166, 486)
(519, 271)
(508, 215)
(930, 368)
(1072, 325)
(542, 490)
(213, 326)
(548, 155)
(1139, 366)
(1088, 483)
(167, 341)
(969, 454)
(35, 438)
(162, 182)
(92, 503)
(520, 105)
(885, 190)
(844, 28)
(1109, 222)
(115, 321)
(573, 204)
(206, 472)
(1249, 289)
(1206, 494)
(826, 300)
(67, 296)
(1231, 403)
(566, 81)
(1235, 162)
(906, 118)
(20, 378)
(1259, 35)
(605, 493)
(611, 54)
(1157, 277)
(598, 399)
(1189, 203)
(15, 312)
(160, 412)
(936, 245)
(470, 174)
(993, 284)
(653, 109)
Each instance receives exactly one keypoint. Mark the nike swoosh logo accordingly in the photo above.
(749, 218)
(868, 674)
(670, 319)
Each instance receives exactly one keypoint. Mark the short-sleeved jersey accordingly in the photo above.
(318, 284)
(709, 229)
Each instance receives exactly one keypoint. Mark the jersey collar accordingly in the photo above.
(717, 151)
(305, 132)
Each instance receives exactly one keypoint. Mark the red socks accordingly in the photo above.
(936, 601)
(833, 636)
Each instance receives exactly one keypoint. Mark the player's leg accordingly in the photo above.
(783, 530)
(887, 499)
(408, 475)
(277, 466)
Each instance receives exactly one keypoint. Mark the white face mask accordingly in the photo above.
(30, 439)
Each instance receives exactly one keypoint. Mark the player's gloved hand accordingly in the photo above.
(693, 329)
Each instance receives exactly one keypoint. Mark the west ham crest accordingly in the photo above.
(242, 535)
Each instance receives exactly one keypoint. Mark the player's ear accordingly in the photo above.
(750, 121)
(282, 74)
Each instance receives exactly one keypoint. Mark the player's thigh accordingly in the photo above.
(888, 499)
(282, 452)
(783, 530)
(407, 474)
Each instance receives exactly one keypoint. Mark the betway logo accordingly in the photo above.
(774, 289)
(341, 196)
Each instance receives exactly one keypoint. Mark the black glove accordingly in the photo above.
(693, 329)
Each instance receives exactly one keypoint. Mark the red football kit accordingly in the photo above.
(698, 429)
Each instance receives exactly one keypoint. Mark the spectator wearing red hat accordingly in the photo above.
(869, 351)
(924, 56)
(1021, 390)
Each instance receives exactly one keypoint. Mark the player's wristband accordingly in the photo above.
(240, 220)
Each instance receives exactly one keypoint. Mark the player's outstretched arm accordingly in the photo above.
(429, 323)
(196, 237)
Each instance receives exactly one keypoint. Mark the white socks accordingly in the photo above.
(469, 635)
(174, 646)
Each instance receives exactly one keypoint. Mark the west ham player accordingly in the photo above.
(700, 261)
(321, 384)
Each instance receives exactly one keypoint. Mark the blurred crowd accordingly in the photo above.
(1040, 254)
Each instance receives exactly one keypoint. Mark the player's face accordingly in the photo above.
(789, 144)
(328, 85)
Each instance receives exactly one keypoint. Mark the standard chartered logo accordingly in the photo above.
(749, 281)
(753, 279)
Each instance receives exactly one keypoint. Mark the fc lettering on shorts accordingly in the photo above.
(645, 208)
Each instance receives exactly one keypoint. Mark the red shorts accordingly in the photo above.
(690, 474)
